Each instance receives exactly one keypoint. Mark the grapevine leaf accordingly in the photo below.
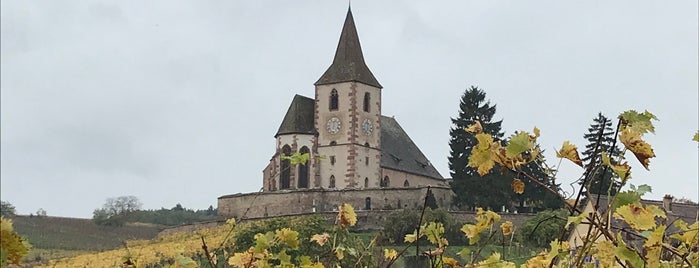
(476, 128)
(185, 262)
(637, 216)
(626, 198)
(434, 232)
(641, 149)
(653, 246)
(537, 133)
(409, 238)
(570, 152)
(643, 189)
(689, 235)
(656, 211)
(450, 261)
(624, 253)
(696, 136)
(623, 170)
(390, 254)
(482, 156)
(518, 186)
(346, 216)
(507, 228)
(519, 143)
(471, 231)
(640, 122)
(574, 220)
(605, 253)
(289, 237)
(321, 239)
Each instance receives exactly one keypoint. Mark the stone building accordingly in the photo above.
(357, 155)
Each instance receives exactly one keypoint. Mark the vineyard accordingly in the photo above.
(624, 233)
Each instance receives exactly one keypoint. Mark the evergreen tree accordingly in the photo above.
(534, 194)
(600, 181)
(473, 190)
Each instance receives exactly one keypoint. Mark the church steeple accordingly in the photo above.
(348, 64)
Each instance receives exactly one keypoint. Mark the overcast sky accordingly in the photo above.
(178, 101)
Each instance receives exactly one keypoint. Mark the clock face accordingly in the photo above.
(333, 125)
(367, 127)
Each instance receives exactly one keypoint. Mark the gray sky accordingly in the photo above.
(178, 101)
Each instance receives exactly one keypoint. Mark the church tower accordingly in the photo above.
(348, 117)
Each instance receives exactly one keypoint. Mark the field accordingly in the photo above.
(56, 237)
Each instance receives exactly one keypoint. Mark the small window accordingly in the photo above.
(285, 167)
(385, 182)
(334, 102)
(406, 183)
(366, 160)
(332, 160)
(367, 203)
(367, 102)
(366, 144)
(332, 143)
(332, 182)
(366, 182)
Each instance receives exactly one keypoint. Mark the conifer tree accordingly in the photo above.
(471, 189)
(600, 181)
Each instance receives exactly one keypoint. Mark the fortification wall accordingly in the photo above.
(294, 202)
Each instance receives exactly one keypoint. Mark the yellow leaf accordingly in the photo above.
(640, 122)
(696, 137)
(450, 261)
(605, 253)
(340, 253)
(289, 237)
(689, 235)
(518, 186)
(241, 260)
(637, 216)
(623, 170)
(570, 152)
(390, 254)
(321, 239)
(507, 228)
(641, 149)
(653, 246)
(539, 261)
(409, 238)
(346, 215)
(476, 128)
(482, 156)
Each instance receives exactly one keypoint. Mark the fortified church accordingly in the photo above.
(357, 155)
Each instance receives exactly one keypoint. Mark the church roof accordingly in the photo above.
(299, 117)
(399, 152)
(348, 64)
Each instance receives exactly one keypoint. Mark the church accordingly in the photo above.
(357, 155)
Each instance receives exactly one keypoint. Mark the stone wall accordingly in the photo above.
(294, 202)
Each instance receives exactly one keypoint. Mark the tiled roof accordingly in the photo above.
(398, 151)
(348, 64)
(299, 117)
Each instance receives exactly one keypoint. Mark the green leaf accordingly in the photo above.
(626, 198)
(631, 256)
(575, 219)
(643, 189)
(640, 122)
(519, 143)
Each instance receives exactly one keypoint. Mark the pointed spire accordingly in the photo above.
(348, 64)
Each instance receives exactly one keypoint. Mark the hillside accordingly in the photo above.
(78, 234)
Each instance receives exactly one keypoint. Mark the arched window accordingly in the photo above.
(332, 182)
(334, 102)
(303, 170)
(385, 182)
(366, 182)
(285, 179)
(406, 183)
(333, 143)
(367, 102)
(367, 203)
